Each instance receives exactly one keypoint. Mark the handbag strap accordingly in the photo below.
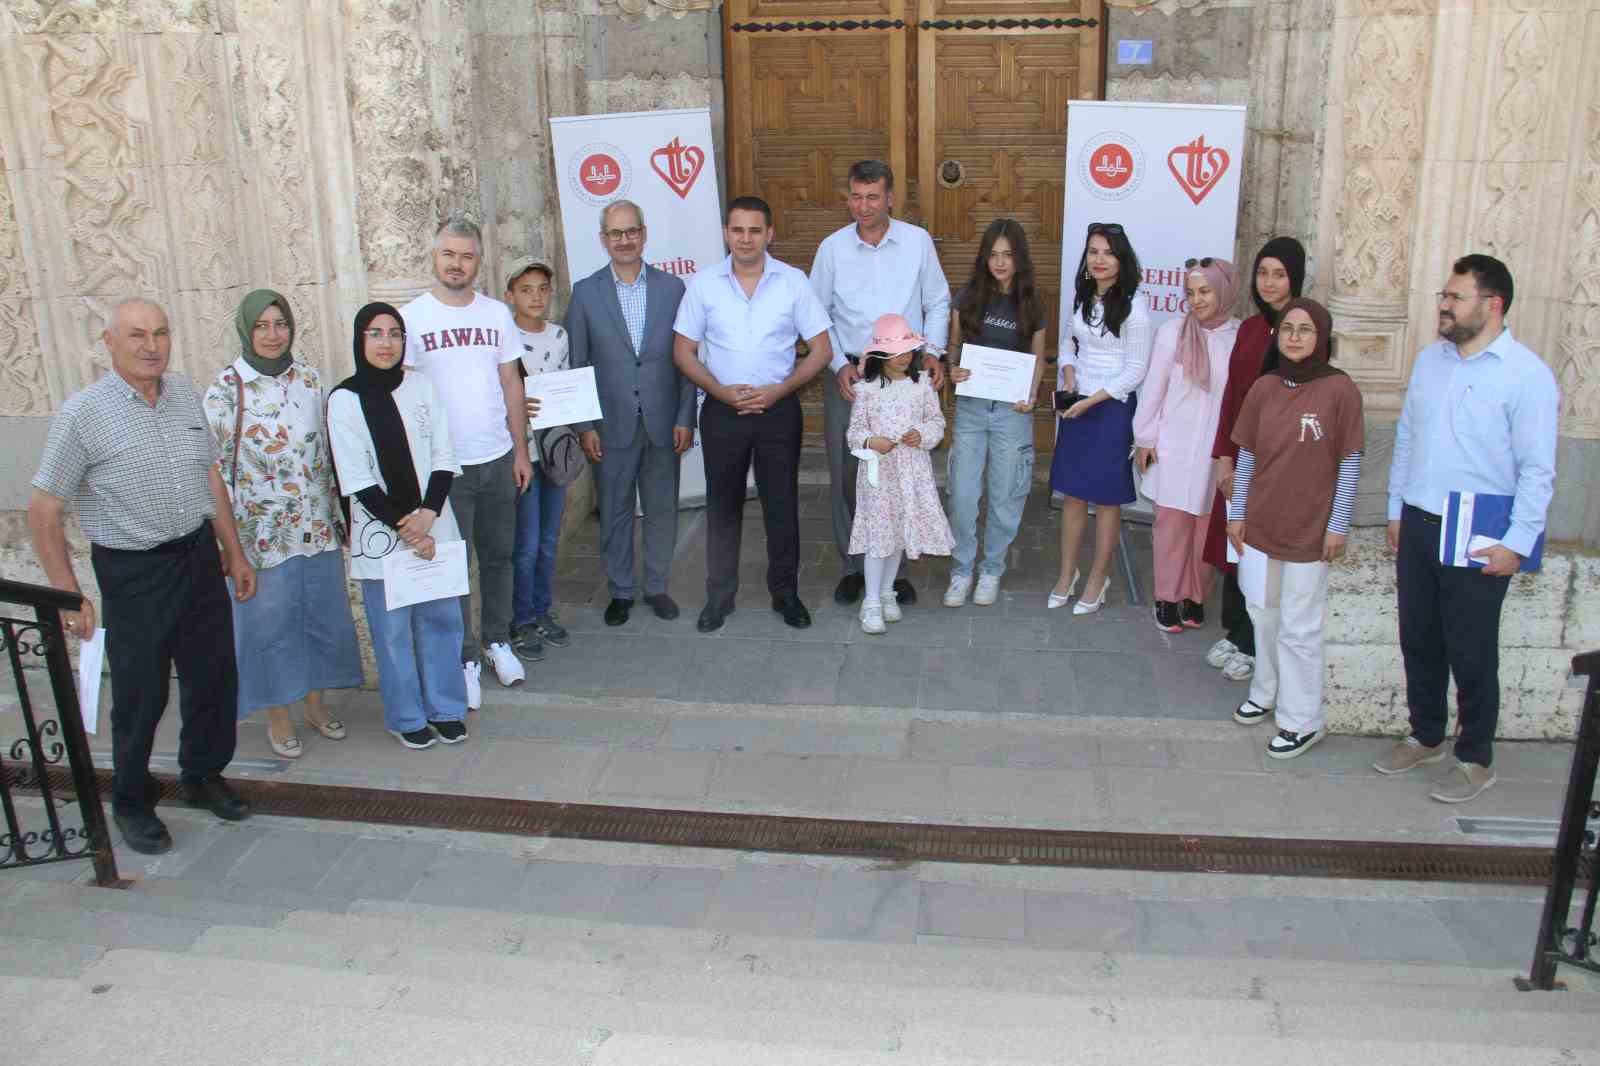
(238, 429)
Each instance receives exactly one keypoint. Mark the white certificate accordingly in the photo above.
(997, 374)
(91, 658)
(408, 578)
(565, 397)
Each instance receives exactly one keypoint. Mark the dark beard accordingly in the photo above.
(1458, 332)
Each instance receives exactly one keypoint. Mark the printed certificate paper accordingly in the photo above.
(91, 659)
(997, 374)
(408, 578)
(565, 397)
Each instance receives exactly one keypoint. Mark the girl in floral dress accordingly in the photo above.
(894, 423)
(294, 637)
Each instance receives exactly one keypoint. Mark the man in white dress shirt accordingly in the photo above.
(743, 316)
(874, 266)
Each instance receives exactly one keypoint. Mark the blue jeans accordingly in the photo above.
(419, 660)
(993, 450)
(533, 560)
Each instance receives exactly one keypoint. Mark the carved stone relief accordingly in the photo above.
(1576, 354)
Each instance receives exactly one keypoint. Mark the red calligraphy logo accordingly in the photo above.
(1111, 165)
(1198, 167)
(600, 174)
(679, 165)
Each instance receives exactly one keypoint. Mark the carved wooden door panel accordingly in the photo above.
(995, 78)
(965, 99)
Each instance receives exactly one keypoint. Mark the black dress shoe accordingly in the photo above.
(617, 612)
(215, 796)
(1191, 614)
(848, 590)
(711, 619)
(143, 832)
(904, 594)
(663, 606)
(794, 612)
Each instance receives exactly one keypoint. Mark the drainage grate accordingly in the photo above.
(898, 841)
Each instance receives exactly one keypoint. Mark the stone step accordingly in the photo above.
(194, 900)
(80, 1022)
(22, 956)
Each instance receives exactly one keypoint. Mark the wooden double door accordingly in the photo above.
(965, 99)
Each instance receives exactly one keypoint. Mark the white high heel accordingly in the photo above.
(1053, 601)
(1084, 606)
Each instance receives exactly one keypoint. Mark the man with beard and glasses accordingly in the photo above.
(1480, 416)
(469, 346)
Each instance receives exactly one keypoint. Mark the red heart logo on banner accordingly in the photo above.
(678, 165)
(1202, 167)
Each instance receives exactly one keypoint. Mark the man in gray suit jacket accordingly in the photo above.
(620, 322)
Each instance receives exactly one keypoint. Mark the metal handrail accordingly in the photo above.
(27, 761)
(1560, 943)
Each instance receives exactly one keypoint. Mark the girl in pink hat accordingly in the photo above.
(894, 423)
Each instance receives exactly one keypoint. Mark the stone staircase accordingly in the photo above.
(169, 972)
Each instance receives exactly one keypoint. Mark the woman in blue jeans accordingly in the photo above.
(993, 448)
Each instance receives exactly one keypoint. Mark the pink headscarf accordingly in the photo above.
(1192, 354)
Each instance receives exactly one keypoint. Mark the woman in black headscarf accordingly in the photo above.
(391, 446)
(1279, 276)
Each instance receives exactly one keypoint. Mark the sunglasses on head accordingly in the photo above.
(1105, 227)
(1190, 264)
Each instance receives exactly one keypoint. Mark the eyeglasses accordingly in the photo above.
(1190, 264)
(1111, 228)
(279, 326)
(1307, 330)
(384, 334)
(1453, 298)
(632, 233)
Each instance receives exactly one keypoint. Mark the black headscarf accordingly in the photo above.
(1292, 254)
(1319, 363)
(375, 387)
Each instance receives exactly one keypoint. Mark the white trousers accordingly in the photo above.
(1293, 602)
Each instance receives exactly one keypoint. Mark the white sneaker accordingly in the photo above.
(507, 667)
(988, 590)
(891, 607)
(872, 618)
(1220, 653)
(474, 686)
(956, 594)
(1240, 667)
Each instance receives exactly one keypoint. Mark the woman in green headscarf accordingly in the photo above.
(295, 637)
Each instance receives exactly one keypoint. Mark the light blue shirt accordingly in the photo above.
(749, 340)
(632, 299)
(1484, 424)
(857, 282)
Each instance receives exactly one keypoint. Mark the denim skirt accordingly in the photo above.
(295, 635)
(1092, 460)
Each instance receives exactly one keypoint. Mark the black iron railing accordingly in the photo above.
(41, 832)
(1563, 941)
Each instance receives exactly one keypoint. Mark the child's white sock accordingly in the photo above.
(872, 568)
(891, 568)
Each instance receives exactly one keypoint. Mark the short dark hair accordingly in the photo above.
(1492, 276)
(748, 203)
(869, 171)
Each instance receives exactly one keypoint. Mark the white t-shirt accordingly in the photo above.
(428, 437)
(461, 349)
(545, 350)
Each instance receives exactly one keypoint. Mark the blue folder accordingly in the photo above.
(1478, 514)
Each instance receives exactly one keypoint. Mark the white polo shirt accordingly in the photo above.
(749, 340)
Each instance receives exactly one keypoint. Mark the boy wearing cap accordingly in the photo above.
(539, 510)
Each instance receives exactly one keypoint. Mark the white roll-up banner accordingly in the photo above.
(1168, 174)
(662, 161)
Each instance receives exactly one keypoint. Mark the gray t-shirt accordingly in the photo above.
(1002, 327)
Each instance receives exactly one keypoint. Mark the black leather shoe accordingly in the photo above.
(848, 590)
(143, 832)
(663, 606)
(216, 797)
(711, 619)
(904, 594)
(794, 612)
(617, 612)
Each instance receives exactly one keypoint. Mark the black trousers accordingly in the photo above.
(731, 441)
(1449, 624)
(1235, 616)
(164, 607)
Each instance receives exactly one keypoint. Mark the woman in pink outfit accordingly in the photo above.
(1173, 430)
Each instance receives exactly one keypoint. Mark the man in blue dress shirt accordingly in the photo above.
(1480, 416)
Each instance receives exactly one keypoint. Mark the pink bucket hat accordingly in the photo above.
(892, 335)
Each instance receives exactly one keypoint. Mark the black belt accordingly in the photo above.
(1427, 516)
(178, 546)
